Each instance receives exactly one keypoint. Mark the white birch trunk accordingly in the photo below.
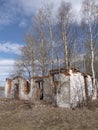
(92, 63)
(65, 49)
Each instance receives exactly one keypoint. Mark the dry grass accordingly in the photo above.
(23, 115)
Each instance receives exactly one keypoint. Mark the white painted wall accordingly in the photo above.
(63, 91)
(77, 88)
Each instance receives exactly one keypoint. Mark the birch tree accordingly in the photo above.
(90, 17)
(43, 47)
(50, 24)
(64, 19)
(25, 64)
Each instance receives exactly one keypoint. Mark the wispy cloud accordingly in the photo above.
(23, 23)
(12, 11)
(9, 47)
(8, 13)
(27, 7)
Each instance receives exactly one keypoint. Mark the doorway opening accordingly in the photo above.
(16, 92)
(39, 89)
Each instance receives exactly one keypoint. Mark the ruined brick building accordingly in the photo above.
(18, 88)
(62, 87)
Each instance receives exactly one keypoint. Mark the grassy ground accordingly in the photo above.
(23, 115)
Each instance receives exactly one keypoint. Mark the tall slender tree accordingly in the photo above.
(90, 18)
(65, 19)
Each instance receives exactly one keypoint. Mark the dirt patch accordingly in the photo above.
(24, 115)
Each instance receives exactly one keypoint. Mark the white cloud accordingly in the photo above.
(6, 62)
(76, 4)
(6, 67)
(9, 47)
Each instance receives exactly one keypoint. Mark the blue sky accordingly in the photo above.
(15, 20)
